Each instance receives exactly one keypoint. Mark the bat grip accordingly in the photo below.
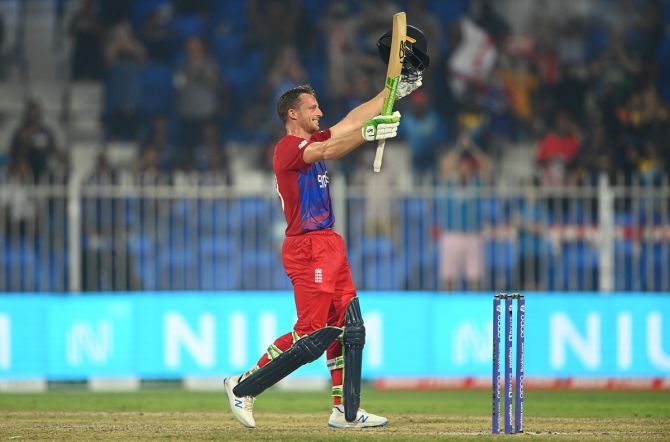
(377, 165)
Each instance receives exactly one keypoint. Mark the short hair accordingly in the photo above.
(289, 99)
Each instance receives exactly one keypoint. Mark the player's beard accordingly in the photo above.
(312, 126)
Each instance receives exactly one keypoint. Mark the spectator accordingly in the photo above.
(197, 86)
(158, 36)
(275, 23)
(33, 151)
(363, 30)
(157, 151)
(423, 19)
(461, 245)
(649, 164)
(597, 156)
(113, 12)
(571, 91)
(531, 224)
(520, 84)
(287, 71)
(571, 43)
(424, 131)
(473, 119)
(211, 156)
(86, 32)
(125, 56)
(361, 86)
(490, 21)
(20, 209)
(473, 58)
(557, 151)
(377, 190)
(338, 55)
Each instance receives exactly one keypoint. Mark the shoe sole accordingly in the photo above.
(361, 427)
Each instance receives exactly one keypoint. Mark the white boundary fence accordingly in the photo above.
(196, 233)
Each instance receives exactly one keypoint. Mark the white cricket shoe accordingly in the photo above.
(242, 407)
(363, 419)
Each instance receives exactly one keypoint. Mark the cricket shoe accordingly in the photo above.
(242, 407)
(363, 419)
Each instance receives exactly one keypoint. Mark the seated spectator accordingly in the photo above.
(33, 152)
(197, 87)
(557, 151)
(424, 131)
(474, 119)
(649, 164)
(461, 246)
(103, 171)
(86, 33)
(125, 56)
(157, 151)
(211, 156)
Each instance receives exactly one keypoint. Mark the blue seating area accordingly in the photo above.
(233, 244)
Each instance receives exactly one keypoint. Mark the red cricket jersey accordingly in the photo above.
(302, 188)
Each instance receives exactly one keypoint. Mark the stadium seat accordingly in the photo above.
(500, 258)
(20, 267)
(219, 265)
(142, 9)
(579, 261)
(375, 266)
(262, 270)
(186, 26)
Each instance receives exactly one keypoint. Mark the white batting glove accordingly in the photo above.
(407, 86)
(381, 127)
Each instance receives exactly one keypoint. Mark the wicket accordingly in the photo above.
(496, 375)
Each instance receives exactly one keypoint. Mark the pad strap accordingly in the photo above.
(303, 351)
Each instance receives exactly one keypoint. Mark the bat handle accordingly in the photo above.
(377, 165)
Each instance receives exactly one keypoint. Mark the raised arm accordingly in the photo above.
(376, 128)
(333, 148)
(355, 119)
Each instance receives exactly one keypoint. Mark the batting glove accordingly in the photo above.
(381, 127)
(408, 85)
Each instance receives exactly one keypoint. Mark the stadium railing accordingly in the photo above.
(194, 232)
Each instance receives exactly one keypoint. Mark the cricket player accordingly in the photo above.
(314, 256)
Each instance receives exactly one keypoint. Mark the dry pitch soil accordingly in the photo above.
(84, 425)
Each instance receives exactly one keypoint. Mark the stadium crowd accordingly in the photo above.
(583, 86)
(590, 87)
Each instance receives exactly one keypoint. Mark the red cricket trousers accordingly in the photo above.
(316, 263)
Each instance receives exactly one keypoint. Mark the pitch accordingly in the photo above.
(161, 414)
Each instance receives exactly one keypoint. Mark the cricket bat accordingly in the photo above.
(396, 58)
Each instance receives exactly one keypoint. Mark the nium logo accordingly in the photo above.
(318, 275)
(302, 144)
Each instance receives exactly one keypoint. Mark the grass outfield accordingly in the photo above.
(414, 416)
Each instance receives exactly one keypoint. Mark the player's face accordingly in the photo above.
(309, 113)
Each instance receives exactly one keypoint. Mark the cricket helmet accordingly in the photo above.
(416, 50)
